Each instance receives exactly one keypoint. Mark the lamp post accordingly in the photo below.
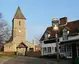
(55, 26)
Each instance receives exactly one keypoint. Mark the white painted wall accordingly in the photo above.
(73, 37)
(52, 45)
(70, 38)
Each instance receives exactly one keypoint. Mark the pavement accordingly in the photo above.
(4, 59)
(33, 60)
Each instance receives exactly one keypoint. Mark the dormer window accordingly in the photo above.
(47, 35)
(65, 34)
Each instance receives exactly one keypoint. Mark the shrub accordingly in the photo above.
(77, 60)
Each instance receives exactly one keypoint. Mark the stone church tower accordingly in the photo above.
(19, 26)
(17, 42)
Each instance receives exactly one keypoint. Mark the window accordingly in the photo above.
(65, 37)
(47, 35)
(63, 49)
(44, 50)
(49, 49)
(69, 50)
(65, 34)
(19, 23)
(30, 49)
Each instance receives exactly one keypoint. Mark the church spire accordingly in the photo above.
(18, 14)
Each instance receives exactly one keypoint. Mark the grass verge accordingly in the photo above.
(9, 55)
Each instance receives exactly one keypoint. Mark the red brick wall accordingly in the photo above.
(36, 53)
(37, 48)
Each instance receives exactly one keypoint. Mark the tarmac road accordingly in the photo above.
(33, 60)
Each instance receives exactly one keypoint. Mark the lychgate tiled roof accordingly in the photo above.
(22, 45)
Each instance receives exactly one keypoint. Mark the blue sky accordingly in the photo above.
(39, 13)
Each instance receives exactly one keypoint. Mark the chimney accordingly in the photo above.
(63, 20)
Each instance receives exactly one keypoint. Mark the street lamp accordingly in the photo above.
(55, 26)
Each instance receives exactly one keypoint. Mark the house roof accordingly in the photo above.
(48, 30)
(18, 14)
(22, 45)
(72, 26)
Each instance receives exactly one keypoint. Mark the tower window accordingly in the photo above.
(19, 23)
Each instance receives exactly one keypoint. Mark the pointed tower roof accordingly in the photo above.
(18, 14)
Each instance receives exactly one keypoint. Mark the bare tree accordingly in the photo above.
(37, 40)
(5, 30)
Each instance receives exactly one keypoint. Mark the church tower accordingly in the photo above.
(19, 26)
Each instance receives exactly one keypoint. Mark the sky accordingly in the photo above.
(39, 13)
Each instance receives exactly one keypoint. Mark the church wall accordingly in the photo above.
(18, 39)
(10, 47)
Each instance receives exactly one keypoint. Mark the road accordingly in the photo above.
(4, 59)
(32, 60)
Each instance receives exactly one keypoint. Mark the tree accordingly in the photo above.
(36, 41)
(5, 30)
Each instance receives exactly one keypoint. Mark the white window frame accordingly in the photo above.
(69, 51)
